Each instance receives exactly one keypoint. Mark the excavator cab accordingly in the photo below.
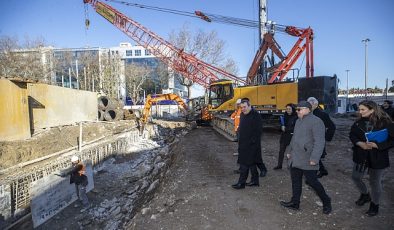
(220, 92)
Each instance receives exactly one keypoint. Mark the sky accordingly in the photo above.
(339, 27)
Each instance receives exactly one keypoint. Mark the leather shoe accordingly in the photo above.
(263, 173)
(238, 186)
(321, 174)
(290, 205)
(252, 184)
(327, 208)
(278, 167)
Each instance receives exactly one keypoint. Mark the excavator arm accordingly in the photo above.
(160, 97)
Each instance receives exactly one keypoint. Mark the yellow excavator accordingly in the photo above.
(150, 100)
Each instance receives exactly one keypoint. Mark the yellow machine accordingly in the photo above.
(269, 100)
(150, 100)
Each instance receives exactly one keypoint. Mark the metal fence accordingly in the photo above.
(20, 182)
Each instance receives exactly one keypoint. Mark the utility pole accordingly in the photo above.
(69, 77)
(76, 69)
(366, 63)
(263, 30)
(347, 89)
(387, 88)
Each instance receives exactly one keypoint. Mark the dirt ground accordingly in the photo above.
(197, 193)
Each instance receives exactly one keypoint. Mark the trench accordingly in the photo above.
(16, 182)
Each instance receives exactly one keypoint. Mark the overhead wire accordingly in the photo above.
(246, 23)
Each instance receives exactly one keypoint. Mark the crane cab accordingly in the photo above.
(221, 95)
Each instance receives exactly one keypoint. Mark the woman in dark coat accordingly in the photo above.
(372, 154)
(289, 121)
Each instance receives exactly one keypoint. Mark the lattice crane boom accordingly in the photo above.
(185, 64)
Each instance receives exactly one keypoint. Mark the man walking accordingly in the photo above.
(304, 153)
(249, 145)
(329, 131)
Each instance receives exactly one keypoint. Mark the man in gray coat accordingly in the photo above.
(304, 152)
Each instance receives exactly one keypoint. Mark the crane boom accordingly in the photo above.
(304, 42)
(185, 64)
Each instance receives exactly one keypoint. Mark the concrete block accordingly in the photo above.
(53, 105)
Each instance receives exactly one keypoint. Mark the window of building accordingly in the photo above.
(129, 53)
(137, 52)
(147, 52)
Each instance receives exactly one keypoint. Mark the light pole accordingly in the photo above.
(347, 89)
(366, 63)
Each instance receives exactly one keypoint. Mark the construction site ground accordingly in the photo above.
(196, 192)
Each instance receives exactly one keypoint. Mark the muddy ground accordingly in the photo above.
(197, 193)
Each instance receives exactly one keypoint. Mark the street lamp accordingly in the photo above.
(347, 89)
(366, 63)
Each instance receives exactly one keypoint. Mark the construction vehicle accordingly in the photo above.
(150, 100)
(269, 99)
(225, 88)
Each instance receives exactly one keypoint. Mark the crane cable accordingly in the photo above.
(247, 23)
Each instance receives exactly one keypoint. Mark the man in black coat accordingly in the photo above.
(330, 130)
(387, 107)
(249, 145)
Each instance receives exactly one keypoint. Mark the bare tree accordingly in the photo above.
(136, 75)
(163, 74)
(32, 60)
(110, 75)
(205, 46)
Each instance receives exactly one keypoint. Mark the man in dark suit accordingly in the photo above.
(329, 134)
(249, 145)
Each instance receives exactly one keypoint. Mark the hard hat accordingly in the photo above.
(239, 101)
(74, 159)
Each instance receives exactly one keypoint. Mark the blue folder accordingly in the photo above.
(282, 120)
(377, 136)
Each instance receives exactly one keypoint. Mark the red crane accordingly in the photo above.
(185, 64)
(279, 71)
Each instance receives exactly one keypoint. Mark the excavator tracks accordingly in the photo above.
(225, 126)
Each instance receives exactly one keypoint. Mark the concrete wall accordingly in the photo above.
(14, 111)
(53, 105)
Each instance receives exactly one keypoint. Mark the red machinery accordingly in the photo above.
(279, 71)
(185, 64)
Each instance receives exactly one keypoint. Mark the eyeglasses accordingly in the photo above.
(299, 109)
